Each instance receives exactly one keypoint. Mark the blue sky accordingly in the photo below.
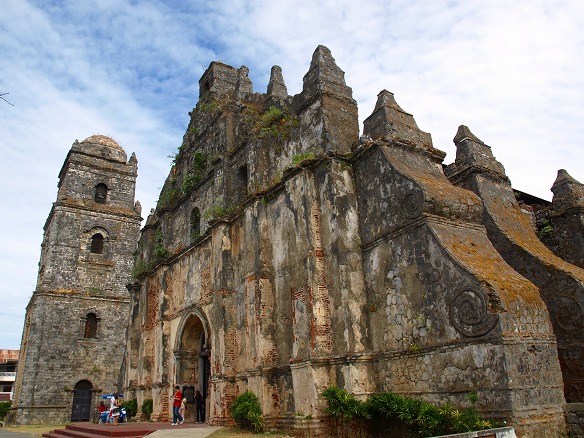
(511, 71)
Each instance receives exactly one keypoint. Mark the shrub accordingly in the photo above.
(147, 408)
(131, 407)
(4, 408)
(419, 417)
(349, 413)
(247, 412)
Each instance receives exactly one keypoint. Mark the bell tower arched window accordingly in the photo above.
(100, 193)
(96, 244)
(90, 326)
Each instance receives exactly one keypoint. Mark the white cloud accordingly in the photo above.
(512, 72)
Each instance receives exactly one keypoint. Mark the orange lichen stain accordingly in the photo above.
(506, 213)
(438, 190)
(473, 250)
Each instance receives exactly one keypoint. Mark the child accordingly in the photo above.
(183, 408)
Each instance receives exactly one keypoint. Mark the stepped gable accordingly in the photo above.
(390, 122)
(224, 81)
(325, 76)
(562, 222)
(472, 153)
(276, 86)
(327, 105)
(561, 284)
(568, 192)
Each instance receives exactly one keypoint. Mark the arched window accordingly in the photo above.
(90, 326)
(100, 193)
(97, 244)
(195, 223)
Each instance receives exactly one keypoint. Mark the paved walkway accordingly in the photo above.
(184, 432)
(9, 434)
(159, 430)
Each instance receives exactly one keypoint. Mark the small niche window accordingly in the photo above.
(241, 183)
(195, 223)
(97, 244)
(100, 193)
(90, 326)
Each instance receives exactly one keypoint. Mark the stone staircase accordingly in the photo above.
(125, 430)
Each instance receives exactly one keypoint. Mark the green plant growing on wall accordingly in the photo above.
(140, 267)
(216, 211)
(168, 197)
(299, 158)
(274, 123)
(247, 412)
(197, 171)
(174, 156)
(208, 105)
(546, 229)
(160, 252)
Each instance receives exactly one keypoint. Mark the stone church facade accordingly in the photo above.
(75, 325)
(287, 254)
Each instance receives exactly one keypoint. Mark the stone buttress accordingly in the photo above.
(561, 284)
(447, 315)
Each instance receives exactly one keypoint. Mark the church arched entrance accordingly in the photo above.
(81, 409)
(192, 360)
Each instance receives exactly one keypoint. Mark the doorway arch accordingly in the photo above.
(81, 408)
(192, 356)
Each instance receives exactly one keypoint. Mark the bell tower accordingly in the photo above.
(74, 331)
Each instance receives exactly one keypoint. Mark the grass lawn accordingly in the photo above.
(235, 433)
(36, 429)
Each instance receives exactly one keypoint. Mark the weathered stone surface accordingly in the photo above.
(561, 225)
(284, 256)
(300, 259)
(74, 282)
(446, 285)
(561, 284)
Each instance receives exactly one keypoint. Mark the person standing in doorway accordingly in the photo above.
(199, 402)
(177, 400)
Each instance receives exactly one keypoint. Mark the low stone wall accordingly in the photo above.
(575, 419)
(501, 432)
